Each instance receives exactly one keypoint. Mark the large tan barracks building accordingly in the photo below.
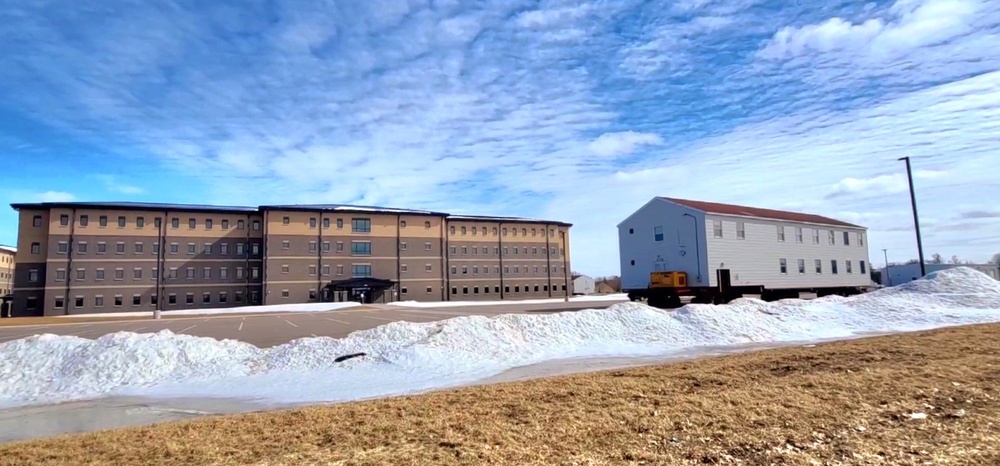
(79, 258)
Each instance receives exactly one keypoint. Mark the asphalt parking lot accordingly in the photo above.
(267, 330)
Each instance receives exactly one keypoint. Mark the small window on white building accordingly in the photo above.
(783, 266)
(833, 237)
(741, 232)
(798, 234)
(802, 266)
(833, 266)
(816, 236)
(861, 240)
(819, 266)
(781, 233)
(862, 264)
(658, 234)
(849, 269)
(717, 228)
(847, 238)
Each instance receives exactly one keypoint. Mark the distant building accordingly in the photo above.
(583, 285)
(7, 258)
(604, 288)
(898, 274)
(93, 257)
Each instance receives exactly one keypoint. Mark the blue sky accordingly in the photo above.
(577, 111)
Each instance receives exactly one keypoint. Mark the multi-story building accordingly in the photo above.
(7, 255)
(104, 257)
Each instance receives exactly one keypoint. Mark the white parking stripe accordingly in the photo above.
(337, 321)
(189, 328)
(241, 326)
(289, 323)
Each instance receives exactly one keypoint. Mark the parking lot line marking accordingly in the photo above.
(313, 335)
(289, 323)
(241, 325)
(337, 321)
(383, 319)
(189, 328)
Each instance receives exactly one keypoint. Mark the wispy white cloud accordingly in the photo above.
(112, 185)
(622, 143)
(54, 196)
(574, 111)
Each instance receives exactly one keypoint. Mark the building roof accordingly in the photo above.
(287, 207)
(351, 208)
(134, 206)
(10, 249)
(744, 211)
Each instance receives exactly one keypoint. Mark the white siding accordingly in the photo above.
(583, 285)
(755, 260)
(680, 249)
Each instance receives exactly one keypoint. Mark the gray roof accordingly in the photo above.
(351, 208)
(133, 206)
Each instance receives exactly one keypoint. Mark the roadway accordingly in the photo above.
(265, 330)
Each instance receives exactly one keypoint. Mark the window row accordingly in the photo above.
(485, 231)
(137, 273)
(475, 290)
(357, 270)
(507, 250)
(120, 248)
(98, 301)
(507, 269)
(800, 234)
(140, 222)
(818, 266)
(358, 225)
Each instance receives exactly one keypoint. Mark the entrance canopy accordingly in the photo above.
(362, 283)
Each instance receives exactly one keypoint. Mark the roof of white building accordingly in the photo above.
(744, 211)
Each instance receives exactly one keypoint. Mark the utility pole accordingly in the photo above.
(916, 218)
(885, 271)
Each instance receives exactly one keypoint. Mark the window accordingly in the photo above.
(326, 223)
(361, 225)
(802, 266)
(402, 246)
(191, 248)
(36, 221)
(312, 222)
(361, 270)
(207, 248)
(32, 303)
(192, 223)
(833, 237)
(798, 234)
(223, 272)
(224, 249)
(137, 274)
(120, 247)
(157, 222)
(428, 268)
(225, 224)
(862, 265)
(140, 222)
(172, 298)
(240, 249)
(206, 298)
(255, 272)
(33, 275)
(658, 233)
(741, 232)
(326, 270)
(84, 220)
(175, 223)
(118, 300)
(189, 274)
(98, 301)
(256, 225)
(287, 244)
(255, 249)
(340, 246)
(121, 221)
(361, 248)
(61, 275)
(783, 265)
(239, 272)
(847, 238)
(717, 228)
(849, 268)
(99, 273)
(340, 223)
(63, 247)
(238, 296)
(241, 224)
(285, 220)
(189, 298)
(819, 266)
(340, 269)
(861, 240)
(64, 219)
(284, 268)
(81, 274)
(81, 247)
(312, 270)
(36, 248)
(833, 266)
(427, 224)
(136, 300)
(206, 272)
(781, 233)
(59, 302)
(816, 236)
(209, 224)
(138, 248)
(402, 268)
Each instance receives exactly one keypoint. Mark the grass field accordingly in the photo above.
(922, 398)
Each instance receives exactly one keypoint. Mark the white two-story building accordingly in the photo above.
(778, 250)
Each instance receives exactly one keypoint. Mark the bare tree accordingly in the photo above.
(936, 258)
(955, 260)
(996, 259)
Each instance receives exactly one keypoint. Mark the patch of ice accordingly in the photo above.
(308, 307)
(405, 357)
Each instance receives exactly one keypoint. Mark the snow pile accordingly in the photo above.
(405, 357)
(572, 299)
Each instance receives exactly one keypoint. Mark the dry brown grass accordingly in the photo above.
(838, 403)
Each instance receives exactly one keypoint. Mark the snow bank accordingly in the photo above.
(572, 299)
(309, 307)
(405, 357)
